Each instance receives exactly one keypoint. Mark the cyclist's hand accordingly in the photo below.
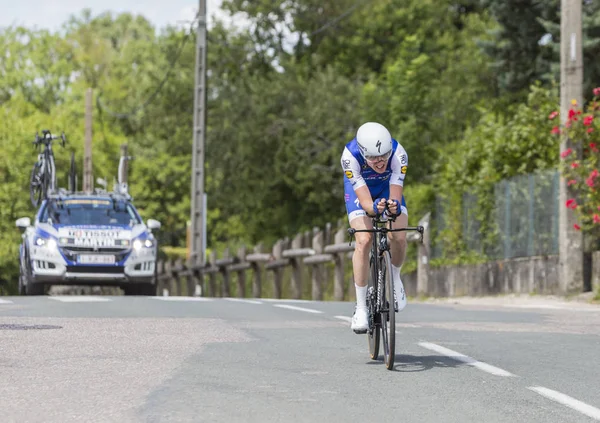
(379, 206)
(393, 207)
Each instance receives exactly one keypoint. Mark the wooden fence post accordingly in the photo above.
(212, 276)
(225, 292)
(317, 269)
(241, 274)
(339, 285)
(257, 280)
(423, 257)
(297, 269)
(278, 272)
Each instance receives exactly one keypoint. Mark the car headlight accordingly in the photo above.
(49, 243)
(138, 244)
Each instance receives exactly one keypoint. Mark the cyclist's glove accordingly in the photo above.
(375, 210)
(398, 209)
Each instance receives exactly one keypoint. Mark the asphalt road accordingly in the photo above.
(173, 359)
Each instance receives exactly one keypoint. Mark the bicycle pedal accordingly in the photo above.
(360, 331)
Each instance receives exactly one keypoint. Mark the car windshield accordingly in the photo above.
(89, 211)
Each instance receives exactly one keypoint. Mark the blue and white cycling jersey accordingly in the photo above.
(358, 173)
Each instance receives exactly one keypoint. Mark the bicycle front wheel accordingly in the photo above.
(374, 322)
(388, 315)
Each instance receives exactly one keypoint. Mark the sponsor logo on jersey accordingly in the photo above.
(403, 169)
(346, 164)
(403, 159)
(349, 174)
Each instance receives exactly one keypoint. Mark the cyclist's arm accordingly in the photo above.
(352, 172)
(366, 201)
(399, 166)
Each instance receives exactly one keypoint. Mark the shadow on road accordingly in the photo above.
(419, 363)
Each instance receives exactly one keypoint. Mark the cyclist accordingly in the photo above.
(374, 166)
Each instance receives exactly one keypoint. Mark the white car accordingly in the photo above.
(80, 239)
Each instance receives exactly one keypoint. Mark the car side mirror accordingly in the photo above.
(153, 224)
(23, 222)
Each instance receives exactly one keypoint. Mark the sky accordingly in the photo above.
(51, 14)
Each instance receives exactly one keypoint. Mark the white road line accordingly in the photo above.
(577, 405)
(465, 359)
(307, 310)
(5, 301)
(181, 298)
(79, 298)
(346, 318)
(284, 300)
(242, 300)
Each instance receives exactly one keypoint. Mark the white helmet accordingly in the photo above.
(374, 141)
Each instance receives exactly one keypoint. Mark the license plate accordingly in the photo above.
(96, 259)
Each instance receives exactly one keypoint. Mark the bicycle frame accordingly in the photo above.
(378, 246)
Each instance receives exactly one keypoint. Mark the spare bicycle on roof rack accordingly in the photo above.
(42, 181)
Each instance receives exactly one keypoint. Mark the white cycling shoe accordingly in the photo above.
(399, 294)
(360, 321)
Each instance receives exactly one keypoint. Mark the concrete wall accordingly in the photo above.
(526, 275)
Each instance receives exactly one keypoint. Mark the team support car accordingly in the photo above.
(80, 239)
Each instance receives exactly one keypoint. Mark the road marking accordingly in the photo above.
(570, 402)
(465, 359)
(346, 318)
(283, 300)
(5, 301)
(181, 298)
(242, 300)
(307, 310)
(79, 298)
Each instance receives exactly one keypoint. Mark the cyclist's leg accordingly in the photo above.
(398, 246)
(397, 240)
(358, 219)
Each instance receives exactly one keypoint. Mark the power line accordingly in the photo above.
(158, 88)
(337, 19)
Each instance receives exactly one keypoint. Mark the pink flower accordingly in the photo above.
(596, 218)
(552, 115)
(589, 131)
(566, 153)
(571, 113)
(571, 203)
(597, 91)
(555, 130)
(587, 121)
(574, 165)
(577, 227)
(573, 182)
(593, 146)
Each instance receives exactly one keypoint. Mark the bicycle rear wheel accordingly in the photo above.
(373, 334)
(388, 315)
(36, 185)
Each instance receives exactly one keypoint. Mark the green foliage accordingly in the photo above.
(496, 148)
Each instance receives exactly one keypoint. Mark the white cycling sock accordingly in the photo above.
(361, 296)
(398, 288)
(396, 273)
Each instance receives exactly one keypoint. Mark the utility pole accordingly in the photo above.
(571, 81)
(198, 212)
(123, 186)
(88, 183)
